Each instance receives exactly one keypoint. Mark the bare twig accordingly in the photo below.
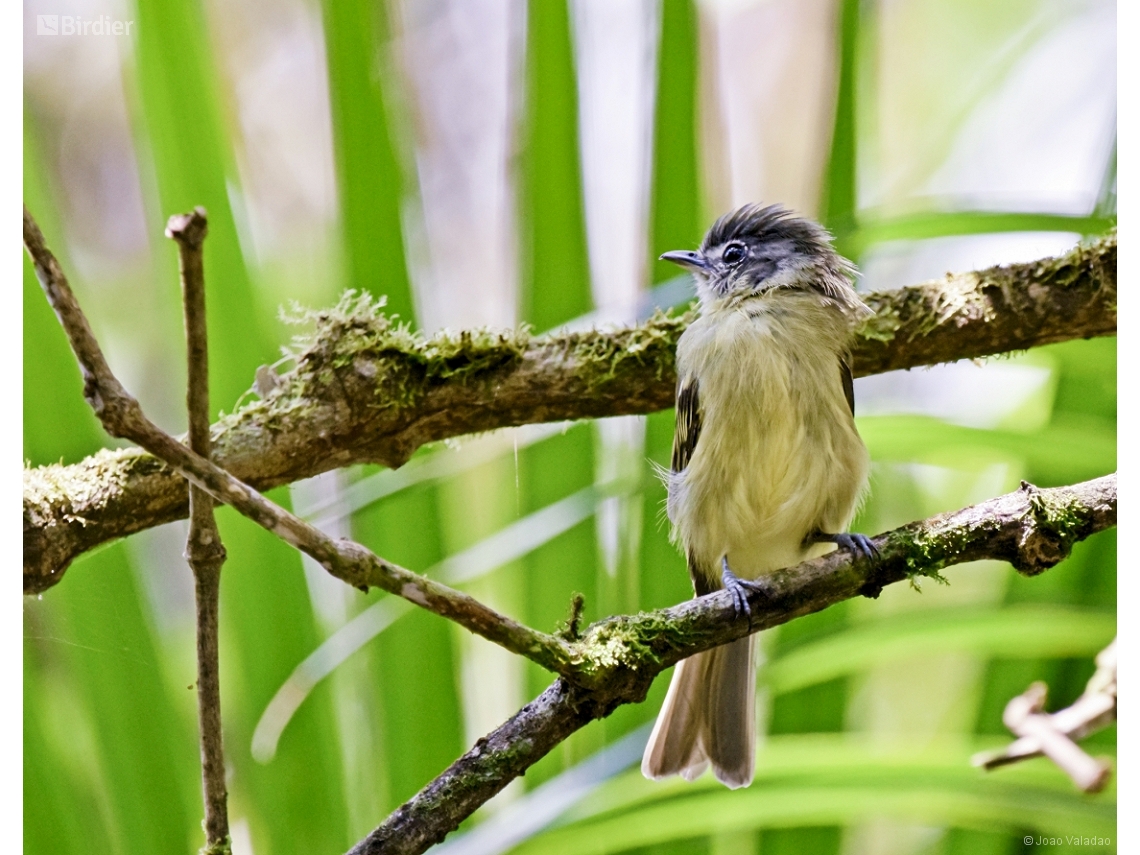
(204, 550)
(364, 392)
(122, 416)
(1034, 529)
(1053, 734)
(1025, 716)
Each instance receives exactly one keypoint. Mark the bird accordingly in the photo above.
(768, 468)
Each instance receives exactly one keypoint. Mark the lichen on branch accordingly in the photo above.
(364, 389)
(618, 657)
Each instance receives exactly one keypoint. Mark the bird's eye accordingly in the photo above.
(733, 254)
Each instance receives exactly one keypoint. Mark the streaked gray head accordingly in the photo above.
(754, 250)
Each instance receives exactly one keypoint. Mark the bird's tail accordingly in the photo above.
(709, 716)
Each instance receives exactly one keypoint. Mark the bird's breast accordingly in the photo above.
(778, 454)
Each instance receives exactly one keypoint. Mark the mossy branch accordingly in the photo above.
(619, 657)
(121, 415)
(364, 390)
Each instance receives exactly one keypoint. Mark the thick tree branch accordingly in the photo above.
(122, 416)
(1032, 529)
(204, 550)
(363, 391)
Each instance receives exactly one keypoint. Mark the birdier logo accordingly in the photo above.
(76, 25)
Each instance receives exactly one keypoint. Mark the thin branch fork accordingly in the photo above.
(365, 392)
(1053, 734)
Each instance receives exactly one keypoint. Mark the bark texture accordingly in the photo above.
(363, 390)
(619, 657)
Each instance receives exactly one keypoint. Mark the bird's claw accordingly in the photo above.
(857, 544)
(738, 589)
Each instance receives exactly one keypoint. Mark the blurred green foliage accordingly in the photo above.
(109, 718)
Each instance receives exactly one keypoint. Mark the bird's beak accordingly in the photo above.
(692, 260)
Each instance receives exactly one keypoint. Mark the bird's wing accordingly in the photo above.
(848, 382)
(688, 429)
(685, 436)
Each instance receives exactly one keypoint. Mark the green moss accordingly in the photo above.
(357, 325)
(402, 364)
(626, 641)
(1073, 266)
(357, 334)
(601, 355)
(930, 306)
(1065, 520)
(925, 553)
(958, 297)
(105, 472)
(881, 326)
(635, 643)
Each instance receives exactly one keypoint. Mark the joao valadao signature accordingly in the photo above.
(1030, 840)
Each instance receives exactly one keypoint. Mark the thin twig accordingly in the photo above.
(1033, 529)
(122, 416)
(363, 393)
(1054, 734)
(1025, 715)
(204, 550)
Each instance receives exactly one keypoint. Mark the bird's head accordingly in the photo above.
(758, 251)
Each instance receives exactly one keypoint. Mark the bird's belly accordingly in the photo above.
(778, 458)
(756, 505)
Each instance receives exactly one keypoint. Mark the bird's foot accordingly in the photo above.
(858, 544)
(739, 589)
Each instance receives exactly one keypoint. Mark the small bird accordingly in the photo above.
(768, 468)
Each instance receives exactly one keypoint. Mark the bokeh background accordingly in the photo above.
(497, 162)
